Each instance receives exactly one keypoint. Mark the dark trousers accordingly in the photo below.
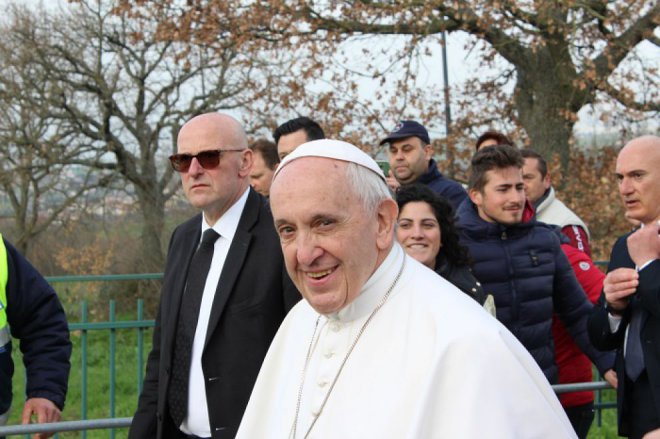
(172, 431)
(642, 412)
(182, 435)
(581, 417)
(639, 414)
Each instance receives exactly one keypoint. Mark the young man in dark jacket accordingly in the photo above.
(32, 313)
(520, 262)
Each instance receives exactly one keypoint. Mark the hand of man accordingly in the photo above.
(45, 411)
(619, 284)
(644, 244)
(611, 378)
(392, 182)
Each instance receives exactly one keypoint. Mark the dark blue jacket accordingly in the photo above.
(450, 189)
(37, 320)
(460, 276)
(529, 276)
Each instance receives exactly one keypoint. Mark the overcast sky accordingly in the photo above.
(460, 65)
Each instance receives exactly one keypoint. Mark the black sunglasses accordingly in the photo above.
(207, 159)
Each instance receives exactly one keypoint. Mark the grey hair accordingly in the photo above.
(370, 189)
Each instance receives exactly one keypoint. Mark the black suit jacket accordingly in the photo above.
(253, 296)
(648, 292)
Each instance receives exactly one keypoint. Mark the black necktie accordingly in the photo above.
(187, 324)
(634, 356)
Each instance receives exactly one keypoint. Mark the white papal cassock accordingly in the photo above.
(431, 364)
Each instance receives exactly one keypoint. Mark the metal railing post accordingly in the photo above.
(140, 346)
(598, 401)
(113, 340)
(83, 365)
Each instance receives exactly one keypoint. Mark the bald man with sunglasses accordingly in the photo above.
(225, 292)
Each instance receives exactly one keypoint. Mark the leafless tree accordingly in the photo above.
(122, 92)
(34, 147)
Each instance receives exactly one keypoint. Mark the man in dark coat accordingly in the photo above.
(627, 317)
(213, 326)
(32, 313)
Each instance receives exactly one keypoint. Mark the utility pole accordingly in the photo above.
(446, 79)
(450, 149)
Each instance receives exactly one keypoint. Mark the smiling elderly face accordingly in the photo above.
(331, 243)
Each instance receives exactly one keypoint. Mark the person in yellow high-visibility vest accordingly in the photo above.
(31, 312)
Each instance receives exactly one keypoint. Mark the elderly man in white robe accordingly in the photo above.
(381, 347)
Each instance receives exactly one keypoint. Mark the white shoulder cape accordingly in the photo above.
(431, 364)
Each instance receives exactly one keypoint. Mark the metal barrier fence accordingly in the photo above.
(92, 424)
(140, 325)
(103, 424)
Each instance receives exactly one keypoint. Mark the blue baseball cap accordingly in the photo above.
(408, 128)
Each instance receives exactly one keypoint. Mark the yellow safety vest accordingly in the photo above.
(4, 274)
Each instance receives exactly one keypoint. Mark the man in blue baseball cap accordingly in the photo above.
(410, 153)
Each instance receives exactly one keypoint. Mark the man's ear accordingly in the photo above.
(546, 181)
(387, 214)
(428, 151)
(475, 196)
(246, 162)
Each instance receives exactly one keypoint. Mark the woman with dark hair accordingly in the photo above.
(427, 231)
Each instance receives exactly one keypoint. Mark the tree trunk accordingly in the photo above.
(22, 244)
(152, 206)
(548, 130)
(547, 99)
